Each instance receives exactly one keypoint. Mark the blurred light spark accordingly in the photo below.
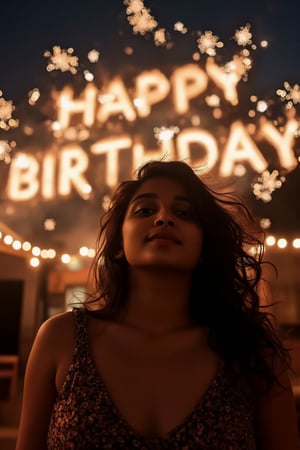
(213, 100)
(238, 67)
(5, 149)
(62, 59)
(264, 44)
(239, 170)
(208, 42)
(196, 56)
(88, 76)
(265, 223)
(139, 17)
(243, 36)
(49, 224)
(179, 26)
(105, 202)
(6, 111)
(160, 37)
(128, 50)
(266, 184)
(93, 56)
(291, 93)
(195, 120)
(261, 106)
(165, 133)
(33, 96)
(134, 6)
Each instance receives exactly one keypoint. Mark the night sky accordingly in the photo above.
(28, 29)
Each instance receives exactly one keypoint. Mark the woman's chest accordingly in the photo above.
(154, 385)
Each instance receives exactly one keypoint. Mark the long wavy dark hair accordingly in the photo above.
(224, 290)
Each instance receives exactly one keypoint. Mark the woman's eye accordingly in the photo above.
(144, 212)
(185, 213)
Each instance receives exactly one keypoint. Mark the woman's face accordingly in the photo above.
(159, 228)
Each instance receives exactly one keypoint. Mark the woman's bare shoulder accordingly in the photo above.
(53, 344)
(59, 324)
(56, 333)
(59, 321)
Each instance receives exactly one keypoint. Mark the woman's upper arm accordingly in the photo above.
(276, 418)
(39, 386)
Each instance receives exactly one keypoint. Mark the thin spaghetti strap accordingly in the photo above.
(81, 333)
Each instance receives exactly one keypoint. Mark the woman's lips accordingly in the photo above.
(163, 237)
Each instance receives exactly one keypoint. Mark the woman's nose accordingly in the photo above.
(164, 219)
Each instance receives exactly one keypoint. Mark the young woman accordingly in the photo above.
(173, 350)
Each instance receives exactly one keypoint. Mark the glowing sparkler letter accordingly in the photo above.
(188, 82)
(111, 147)
(240, 147)
(282, 142)
(151, 88)
(119, 103)
(73, 162)
(23, 183)
(205, 139)
(66, 106)
(227, 81)
(49, 164)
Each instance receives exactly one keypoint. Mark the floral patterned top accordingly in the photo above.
(84, 416)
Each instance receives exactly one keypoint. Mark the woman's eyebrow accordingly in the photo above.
(145, 195)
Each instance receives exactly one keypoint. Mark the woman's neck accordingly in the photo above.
(158, 301)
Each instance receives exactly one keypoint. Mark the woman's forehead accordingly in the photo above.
(161, 185)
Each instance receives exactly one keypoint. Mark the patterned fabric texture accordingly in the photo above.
(84, 416)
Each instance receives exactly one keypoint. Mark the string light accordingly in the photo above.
(65, 258)
(36, 252)
(282, 243)
(296, 243)
(26, 246)
(270, 241)
(83, 251)
(34, 262)
(8, 239)
(16, 245)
